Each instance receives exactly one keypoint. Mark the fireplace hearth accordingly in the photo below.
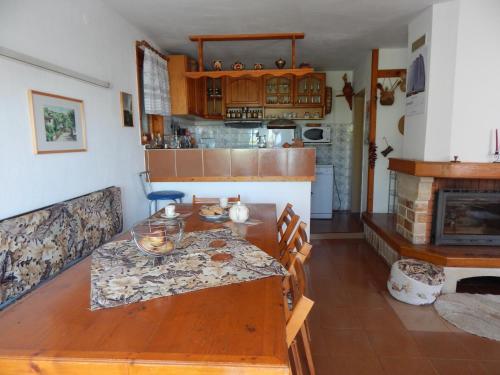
(467, 218)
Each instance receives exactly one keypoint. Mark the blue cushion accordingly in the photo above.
(165, 195)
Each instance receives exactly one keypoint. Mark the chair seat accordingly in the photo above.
(165, 195)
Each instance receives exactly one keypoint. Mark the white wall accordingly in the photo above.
(462, 94)
(279, 193)
(415, 126)
(476, 98)
(88, 38)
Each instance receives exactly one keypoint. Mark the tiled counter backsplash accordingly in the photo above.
(217, 135)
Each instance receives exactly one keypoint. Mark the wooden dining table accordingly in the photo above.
(235, 329)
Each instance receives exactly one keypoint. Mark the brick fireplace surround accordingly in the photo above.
(417, 185)
(415, 202)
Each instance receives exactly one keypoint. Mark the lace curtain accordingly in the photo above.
(156, 85)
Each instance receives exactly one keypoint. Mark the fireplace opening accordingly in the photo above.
(479, 285)
(467, 218)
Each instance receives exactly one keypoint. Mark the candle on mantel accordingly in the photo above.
(496, 139)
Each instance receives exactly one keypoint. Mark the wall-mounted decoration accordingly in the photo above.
(387, 92)
(372, 154)
(58, 123)
(388, 149)
(127, 109)
(401, 125)
(328, 99)
(416, 80)
(348, 91)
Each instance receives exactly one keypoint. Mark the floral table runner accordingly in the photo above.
(121, 274)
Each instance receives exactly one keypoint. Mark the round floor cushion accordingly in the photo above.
(415, 282)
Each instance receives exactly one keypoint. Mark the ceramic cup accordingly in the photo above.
(170, 210)
(223, 202)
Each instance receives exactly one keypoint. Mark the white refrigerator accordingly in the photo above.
(322, 193)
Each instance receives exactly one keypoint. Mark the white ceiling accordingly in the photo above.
(338, 32)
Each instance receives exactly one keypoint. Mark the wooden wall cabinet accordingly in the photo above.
(186, 94)
(214, 98)
(243, 91)
(310, 90)
(278, 91)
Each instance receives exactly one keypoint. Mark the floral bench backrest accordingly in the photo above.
(36, 246)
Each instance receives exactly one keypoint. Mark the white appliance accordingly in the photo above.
(320, 134)
(322, 193)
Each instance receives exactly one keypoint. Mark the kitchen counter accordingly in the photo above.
(216, 165)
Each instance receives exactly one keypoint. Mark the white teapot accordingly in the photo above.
(239, 213)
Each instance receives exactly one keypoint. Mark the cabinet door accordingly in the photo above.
(310, 90)
(243, 91)
(317, 88)
(278, 91)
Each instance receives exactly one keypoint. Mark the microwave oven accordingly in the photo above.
(320, 134)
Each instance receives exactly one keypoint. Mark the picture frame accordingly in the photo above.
(57, 122)
(127, 109)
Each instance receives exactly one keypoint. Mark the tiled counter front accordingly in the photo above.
(285, 164)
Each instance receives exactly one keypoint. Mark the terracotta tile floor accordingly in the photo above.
(357, 328)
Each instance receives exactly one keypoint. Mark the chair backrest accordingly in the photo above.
(145, 182)
(297, 318)
(286, 224)
(198, 200)
(298, 279)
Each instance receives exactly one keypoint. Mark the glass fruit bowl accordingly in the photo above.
(158, 237)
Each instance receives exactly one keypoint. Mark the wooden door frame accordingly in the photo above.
(376, 73)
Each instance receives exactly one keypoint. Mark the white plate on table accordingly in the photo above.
(175, 216)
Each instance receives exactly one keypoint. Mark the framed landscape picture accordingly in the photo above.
(58, 123)
(127, 110)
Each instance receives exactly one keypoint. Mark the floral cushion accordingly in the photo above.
(424, 272)
(36, 246)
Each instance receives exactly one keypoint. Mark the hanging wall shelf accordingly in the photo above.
(201, 39)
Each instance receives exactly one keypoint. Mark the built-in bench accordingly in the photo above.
(38, 245)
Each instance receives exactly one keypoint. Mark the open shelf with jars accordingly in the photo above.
(244, 113)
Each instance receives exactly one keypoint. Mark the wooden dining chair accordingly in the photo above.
(297, 308)
(297, 246)
(286, 224)
(198, 200)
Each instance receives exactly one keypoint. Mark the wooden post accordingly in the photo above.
(201, 68)
(293, 52)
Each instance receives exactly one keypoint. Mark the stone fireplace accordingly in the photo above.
(416, 202)
(414, 207)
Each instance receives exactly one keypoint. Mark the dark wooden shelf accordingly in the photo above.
(450, 256)
(460, 170)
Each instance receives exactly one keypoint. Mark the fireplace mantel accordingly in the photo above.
(458, 170)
